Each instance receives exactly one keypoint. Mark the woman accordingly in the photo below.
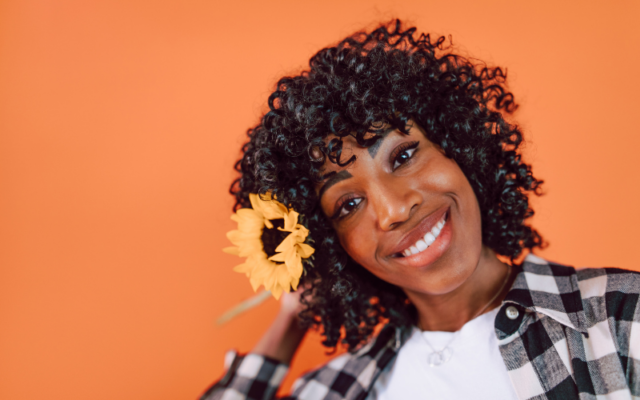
(407, 202)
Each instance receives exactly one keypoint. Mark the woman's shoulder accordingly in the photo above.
(592, 282)
(607, 281)
(610, 294)
(601, 293)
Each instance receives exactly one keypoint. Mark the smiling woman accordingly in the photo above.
(397, 155)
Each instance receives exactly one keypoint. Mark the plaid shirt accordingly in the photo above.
(563, 334)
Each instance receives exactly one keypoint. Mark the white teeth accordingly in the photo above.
(429, 238)
(436, 231)
(422, 244)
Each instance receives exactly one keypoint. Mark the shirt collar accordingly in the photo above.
(550, 289)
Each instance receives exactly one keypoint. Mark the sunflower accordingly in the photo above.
(280, 270)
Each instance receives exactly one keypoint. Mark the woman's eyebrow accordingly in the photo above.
(333, 179)
(373, 149)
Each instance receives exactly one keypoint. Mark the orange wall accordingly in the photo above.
(119, 124)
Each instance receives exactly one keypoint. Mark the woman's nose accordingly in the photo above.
(393, 204)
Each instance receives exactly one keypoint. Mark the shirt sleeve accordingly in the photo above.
(248, 377)
(622, 303)
(633, 356)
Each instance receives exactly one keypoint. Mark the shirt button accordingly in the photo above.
(512, 312)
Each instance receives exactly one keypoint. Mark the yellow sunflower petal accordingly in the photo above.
(255, 283)
(247, 214)
(240, 235)
(273, 209)
(237, 237)
(301, 232)
(270, 209)
(287, 288)
(290, 221)
(255, 202)
(283, 277)
(249, 248)
(232, 250)
(293, 263)
(265, 273)
(294, 282)
(263, 266)
(245, 268)
(288, 243)
(270, 280)
(276, 292)
(279, 257)
(248, 220)
(305, 250)
(246, 246)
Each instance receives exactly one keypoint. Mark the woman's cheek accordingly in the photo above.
(442, 176)
(357, 244)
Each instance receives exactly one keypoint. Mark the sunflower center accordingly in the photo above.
(271, 238)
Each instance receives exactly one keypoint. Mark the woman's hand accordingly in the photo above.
(290, 302)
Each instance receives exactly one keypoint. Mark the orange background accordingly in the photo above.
(119, 125)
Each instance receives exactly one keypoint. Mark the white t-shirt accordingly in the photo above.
(474, 371)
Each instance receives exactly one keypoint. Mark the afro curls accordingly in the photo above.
(369, 80)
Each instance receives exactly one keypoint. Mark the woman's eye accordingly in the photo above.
(348, 206)
(403, 157)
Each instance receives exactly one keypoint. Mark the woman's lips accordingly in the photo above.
(434, 250)
(427, 240)
(420, 230)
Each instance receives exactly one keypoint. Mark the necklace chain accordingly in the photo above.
(439, 357)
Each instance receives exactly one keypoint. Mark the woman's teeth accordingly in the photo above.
(427, 240)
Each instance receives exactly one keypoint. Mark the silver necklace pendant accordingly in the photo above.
(439, 357)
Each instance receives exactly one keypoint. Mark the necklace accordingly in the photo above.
(438, 357)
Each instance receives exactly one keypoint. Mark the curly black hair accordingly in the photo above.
(368, 81)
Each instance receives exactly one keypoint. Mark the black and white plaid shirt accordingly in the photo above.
(563, 334)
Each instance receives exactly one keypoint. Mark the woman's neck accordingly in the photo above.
(481, 292)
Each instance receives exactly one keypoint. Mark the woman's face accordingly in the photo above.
(400, 196)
